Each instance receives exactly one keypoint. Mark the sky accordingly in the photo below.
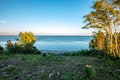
(44, 17)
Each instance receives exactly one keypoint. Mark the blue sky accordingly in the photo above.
(44, 17)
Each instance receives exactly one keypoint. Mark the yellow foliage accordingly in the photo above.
(19, 43)
(27, 38)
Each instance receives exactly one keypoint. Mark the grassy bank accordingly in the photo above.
(56, 67)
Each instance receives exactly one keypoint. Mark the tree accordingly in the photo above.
(106, 17)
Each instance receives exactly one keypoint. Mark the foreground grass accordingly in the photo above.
(56, 67)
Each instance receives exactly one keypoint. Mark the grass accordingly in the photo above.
(56, 67)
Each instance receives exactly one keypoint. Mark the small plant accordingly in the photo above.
(42, 75)
(90, 71)
(10, 46)
(10, 68)
(44, 55)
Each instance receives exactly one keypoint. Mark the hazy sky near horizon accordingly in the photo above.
(44, 17)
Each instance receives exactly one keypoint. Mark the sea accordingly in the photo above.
(58, 43)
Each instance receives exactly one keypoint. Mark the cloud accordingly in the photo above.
(3, 21)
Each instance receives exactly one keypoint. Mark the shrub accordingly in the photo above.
(95, 53)
(1, 48)
(10, 46)
(24, 44)
(44, 55)
(91, 52)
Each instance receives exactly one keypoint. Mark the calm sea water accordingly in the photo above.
(60, 43)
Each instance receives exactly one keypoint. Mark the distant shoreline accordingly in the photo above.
(51, 35)
(55, 51)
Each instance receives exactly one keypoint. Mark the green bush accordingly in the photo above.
(1, 48)
(91, 52)
(23, 49)
(95, 53)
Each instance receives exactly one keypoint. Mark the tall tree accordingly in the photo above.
(106, 16)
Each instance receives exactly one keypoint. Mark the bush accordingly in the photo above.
(24, 44)
(95, 53)
(92, 52)
(1, 48)
(32, 49)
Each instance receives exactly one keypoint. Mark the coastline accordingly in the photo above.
(55, 51)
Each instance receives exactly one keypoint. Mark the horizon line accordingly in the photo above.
(42, 35)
